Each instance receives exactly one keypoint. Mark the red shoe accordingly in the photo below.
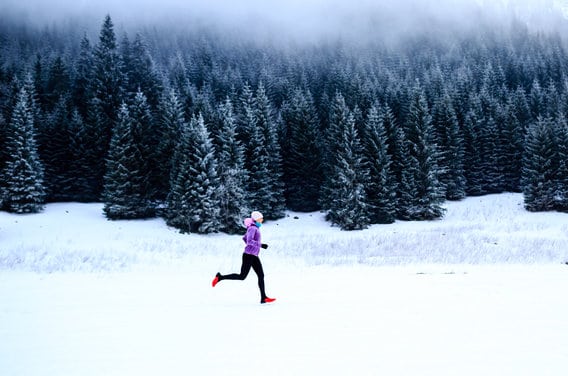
(216, 280)
(267, 300)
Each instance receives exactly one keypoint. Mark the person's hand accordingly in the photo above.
(264, 246)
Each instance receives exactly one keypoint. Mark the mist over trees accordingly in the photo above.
(201, 127)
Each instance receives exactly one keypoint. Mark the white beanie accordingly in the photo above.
(256, 215)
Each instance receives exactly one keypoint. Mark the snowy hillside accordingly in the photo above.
(478, 230)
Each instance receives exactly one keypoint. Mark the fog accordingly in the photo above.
(297, 19)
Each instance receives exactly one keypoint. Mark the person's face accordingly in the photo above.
(260, 220)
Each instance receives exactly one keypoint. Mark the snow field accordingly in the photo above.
(428, 320)
(480, 292)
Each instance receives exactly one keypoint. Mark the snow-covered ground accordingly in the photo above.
(480, 292)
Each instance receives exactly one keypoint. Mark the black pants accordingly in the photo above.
(249, 261)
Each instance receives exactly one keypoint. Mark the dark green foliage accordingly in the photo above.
(193, 204)
(424, 190)
(125, 182)
(381, 187)
(301, 152)
(23, 190)
(349, 207)
(538, 167)
(284, 143)
(233, 200)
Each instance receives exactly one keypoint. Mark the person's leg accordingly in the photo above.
(257, 267)
(245, 269)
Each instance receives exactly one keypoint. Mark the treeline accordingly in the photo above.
(201, 129)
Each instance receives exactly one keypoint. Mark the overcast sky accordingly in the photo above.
(298, 18)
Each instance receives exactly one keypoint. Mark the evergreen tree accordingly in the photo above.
(449, 140)
(538, 174)
(423, 170)
(23, 174)
(259, 186)
(57, 157)
(472, 158)
(349, 206)
(381, 189)
(107, 91)
(170, 126)
(561, 195)
(396, 149)
(193, 204)
(265, 120)
(58, 83)
(141, 72)
(232, 174)
(80, 171)
(338, 116)
(302, 155)
(82, 84)
(125, 185)
(147, 138)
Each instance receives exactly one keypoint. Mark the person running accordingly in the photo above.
(250, 256)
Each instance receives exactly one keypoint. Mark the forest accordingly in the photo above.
(202, 127)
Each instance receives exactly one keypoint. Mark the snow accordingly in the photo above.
(480, 292)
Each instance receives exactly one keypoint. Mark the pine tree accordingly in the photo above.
(232, 174)
(107, 91)
(78, 179)
(193, 204)
(265, 121)
(449, 139)
(171, 123)
(396, 149)
(82, 84)
(23, 174)
(561, 195)
(349, 205)
(146, 137)
(472, 158)
(302, 155)
(141, 72)
(423, 171)
(338, 116)
(259, 185)
(124, 190)
(58, 83)
(381, 189)
(57, 156)
(538, 176)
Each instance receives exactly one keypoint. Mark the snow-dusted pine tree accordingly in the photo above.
(125, 184)
(349, 204)
(257, 161)
(302, 159)
(108, 94)
(266, 122)
(423, 169)
(57, 156)
(538, 176)
(339, 113)
(232, 174)
(193, 204)
(381, 188)
(170, 125)
(146, 137)
(561, 133)
(81, 88)
(450, 146)
(23, 173)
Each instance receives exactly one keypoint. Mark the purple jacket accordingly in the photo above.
(252, 240)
